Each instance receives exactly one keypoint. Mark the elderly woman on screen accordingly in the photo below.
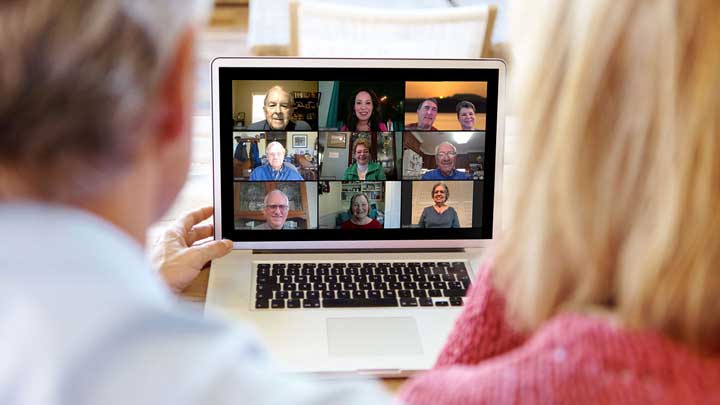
(440, 214)
(363, 168)
(359, 210)
(466, 115)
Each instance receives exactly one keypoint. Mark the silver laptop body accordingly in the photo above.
(383, 341)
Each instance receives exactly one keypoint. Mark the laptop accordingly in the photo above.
(361, 196)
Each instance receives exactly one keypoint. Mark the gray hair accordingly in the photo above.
(274, 144)
(464, 104)
(437, 148)
(75, 80)
(267, 196)
(290, 95)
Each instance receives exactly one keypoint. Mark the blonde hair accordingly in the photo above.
(76, 79)
(618, 202)
(361, 141)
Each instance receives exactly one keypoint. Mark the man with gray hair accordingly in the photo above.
(277, 206)
(278, 107)
(276, 169)
(95, 106)
(445, 155)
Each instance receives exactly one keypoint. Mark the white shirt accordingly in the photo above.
(84, 320)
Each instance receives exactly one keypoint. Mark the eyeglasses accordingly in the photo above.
(442, 155)
(273, 207)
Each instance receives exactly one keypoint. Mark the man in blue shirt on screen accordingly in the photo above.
(275, 169)
(445, 155)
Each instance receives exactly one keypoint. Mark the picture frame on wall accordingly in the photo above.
(337, 140)
(299, 141)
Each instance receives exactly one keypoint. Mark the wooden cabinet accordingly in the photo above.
(250, 202)
(306, 106)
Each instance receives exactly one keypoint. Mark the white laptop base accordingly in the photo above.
(378, 341)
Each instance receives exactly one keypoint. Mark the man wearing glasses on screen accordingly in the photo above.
(445, 155)
(276, 210)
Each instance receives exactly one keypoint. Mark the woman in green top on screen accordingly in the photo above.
(363, 168)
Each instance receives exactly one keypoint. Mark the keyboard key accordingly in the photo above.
(425, 285)
(277, 304)
(441, 304)
(349, 286)
(410, 286)
(374, 294)
(311, 303)
(395, 286)
(283, 279)
(456, 301)
(359, 294)
(294, 303)
(289, 287)
(419, 278)
(425, 302)
(262, 304)
(292, 272)
(373, 302)
(304, 286)
(389, 294)
(313, 295)
(278, 265)
(365, 286)
(435, 293)
(345, 278)
(319, 287)
(408, 302)
(298, 294)
(263, 295)
(301, 279)
(328, 294)
(420, 293)
(267, 287)
(343, 294)
(454, 293)
(277, 272)
(440, 285)
(308, 272)
(281, 295)
(405, 293)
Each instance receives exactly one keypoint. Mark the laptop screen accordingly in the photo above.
(332, 154)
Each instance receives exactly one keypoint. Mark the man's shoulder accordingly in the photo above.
(260, 173)
(301, 125)
(260, 125)
(431, 175)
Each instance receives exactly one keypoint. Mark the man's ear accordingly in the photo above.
(175, 92)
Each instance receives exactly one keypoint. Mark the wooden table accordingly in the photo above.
(197, 291)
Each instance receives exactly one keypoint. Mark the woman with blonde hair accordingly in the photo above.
(604, 285)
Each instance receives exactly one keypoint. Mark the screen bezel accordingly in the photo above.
(321, 69)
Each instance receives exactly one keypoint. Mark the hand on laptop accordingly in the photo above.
(177, 254)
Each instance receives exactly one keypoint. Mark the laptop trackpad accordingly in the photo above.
(373, 336)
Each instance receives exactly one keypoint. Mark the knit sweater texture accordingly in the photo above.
(572, 359)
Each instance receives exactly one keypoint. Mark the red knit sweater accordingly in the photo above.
(572, 359)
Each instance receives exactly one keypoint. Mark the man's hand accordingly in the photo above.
(177, 256)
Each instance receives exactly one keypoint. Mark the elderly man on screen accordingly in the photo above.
(278, 108)
(427, 113)
(275, 169)
(277, 206)
(445, 155)
(96, 99)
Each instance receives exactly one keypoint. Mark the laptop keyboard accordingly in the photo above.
(360, 284)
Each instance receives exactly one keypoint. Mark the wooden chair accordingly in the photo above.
(339, 30)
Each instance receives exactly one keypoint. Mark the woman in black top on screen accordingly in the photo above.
(364, 113)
